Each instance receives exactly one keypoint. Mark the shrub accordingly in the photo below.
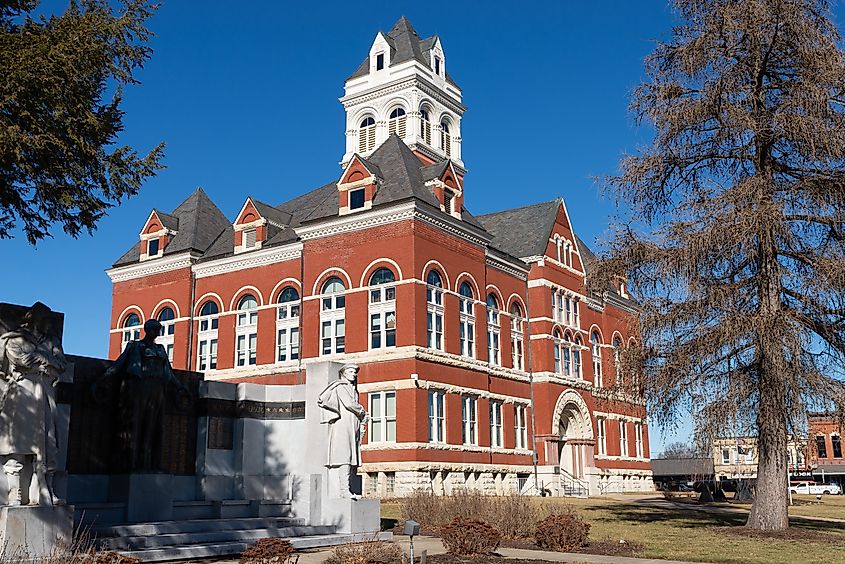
(467, 537)
(94, 556)
(371, 552)
(563, 532)
(269, 551)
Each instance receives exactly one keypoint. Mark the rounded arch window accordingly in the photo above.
(397, 122)
(333, 285)
(434, 310)
(132, 320)
(166, 317)
(131, 329)
(288, 303)
(425, 125)
(382, 309)
(434, 279)
(445, 138)
(576, 357)
(209, 308)
(557, 345)
(492, 303)
(597, 368)
(516, 310)
(289, 294)
(465, 290)
(367, 134)
(381, 277)
(333, 290)
(208, 316)
(248, 307)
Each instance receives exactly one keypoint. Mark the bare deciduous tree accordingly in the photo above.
(735, 239)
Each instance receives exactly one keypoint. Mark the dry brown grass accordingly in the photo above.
(371, 552)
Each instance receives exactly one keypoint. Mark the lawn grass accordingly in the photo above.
(696, 536)
(831, 506)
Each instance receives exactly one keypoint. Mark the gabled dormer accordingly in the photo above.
(158, 231)
(448, 187)
(357, 186)
(256, 224)
(380, 54)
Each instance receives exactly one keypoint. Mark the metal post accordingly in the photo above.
(412, 550)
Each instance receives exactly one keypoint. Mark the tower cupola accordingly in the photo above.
(402, 87)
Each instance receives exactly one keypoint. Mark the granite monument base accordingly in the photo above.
(35, 531)
(148, 497)
(352, 516)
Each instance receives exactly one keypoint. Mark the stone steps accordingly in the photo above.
(210, 537)
(196, 525)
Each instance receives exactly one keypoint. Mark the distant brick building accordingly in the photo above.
(825, 448)
(737, 457)
(479, 345)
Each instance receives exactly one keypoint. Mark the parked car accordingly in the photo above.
(815, 489)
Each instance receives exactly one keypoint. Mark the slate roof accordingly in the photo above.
(522, 232)
(200, 223)
(167, 221)
(405, 44)
(272, 214)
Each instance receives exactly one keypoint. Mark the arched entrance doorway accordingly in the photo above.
(571, 421)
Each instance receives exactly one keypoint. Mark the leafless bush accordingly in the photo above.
(563, 532)
(371, 552)
(513, 515)
(468, 537)
(269, 551)
(80, 552)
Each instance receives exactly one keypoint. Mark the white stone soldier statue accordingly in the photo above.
(340, 410)
(31, 361)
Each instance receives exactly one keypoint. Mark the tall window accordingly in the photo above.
(576, 358)
(425, 126)
(602, 435)
(467, 320)
(493, 330)
(821, 446)
(333, 317)
(396, 124)
(382, 309)
(383, 417)
(598, 381)
(246, 332)
(557, 305)
(287, 326)
(131, 329)
(436, 417)
(638, 437)
(567, 254)
(617, 359)
(576, 312)
(207, 337)
(367, 135)
(623, 438)
(568, 311)
(168, 327)
(469, 418)
(726, 456)
(445, 139)
(567, 355)
(496, 439)
(516, 336)
(520, 424)
(557, 345)
(837, 446)
(434, 311)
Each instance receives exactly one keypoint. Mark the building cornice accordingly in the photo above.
(500, 262)
(248, 259)
(400, 84)
(151, 267)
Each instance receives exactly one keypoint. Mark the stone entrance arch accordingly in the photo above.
(572, 423)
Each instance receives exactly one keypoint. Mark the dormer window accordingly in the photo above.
(367, 135)
(379, 61)
(152, 247)
(249, 238)
(437, 65)
(397, 122)
(448, 202)
(356, 199)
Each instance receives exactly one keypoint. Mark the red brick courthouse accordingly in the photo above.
(478, 344)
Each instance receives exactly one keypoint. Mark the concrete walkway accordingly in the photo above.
(433, 545)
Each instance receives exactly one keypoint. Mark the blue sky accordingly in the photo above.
(246, 101)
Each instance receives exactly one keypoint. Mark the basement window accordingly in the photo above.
(356, 199)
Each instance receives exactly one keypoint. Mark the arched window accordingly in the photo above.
(516, 336)
(597, 373)
(207, 337)
(425, 126)
(493, 329)
(434, 310)
(287, 326)
(445, 138)
(567, 355)
(467, 320)
(131, 329)
(617, 359)
(557, 345)
(333, 317)
(246, 333)
(367, 135)
(382, 309)
(396, 123)
(168, 326)
(558, 248)
(567, 254)
(576, 357)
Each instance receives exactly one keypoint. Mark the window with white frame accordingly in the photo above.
(598, 380)
(576, 312)
(466, 305)
(638, 438)
(382, 417)
(568, 310)
(520, 424)
(576, 358)
(168, 327)
(287, 326)
(445, 139)
(425, 126)
(207, 337)
(397, 122)
(246, 332)
(623, 438)
(367, 135)
(493, 330)
(436, 417)
(382, 309)
(558, 248)
(617, 359)
(496, 437)
(333, 317)
(517, 342)
(567, 254)
(601, 432)
(557, 305)
(567, 355)
(726, 456)
(249, 238)
(131, 330)
(557, 346)
(469, 420)
(434, 311)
